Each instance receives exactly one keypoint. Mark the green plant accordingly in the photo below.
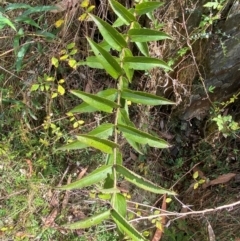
(23, 40)
(116, 101)
(198, 181)
(226, 125)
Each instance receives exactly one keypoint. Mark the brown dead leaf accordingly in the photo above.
(82, 173)
(211, 234)
(49, 221)
(133, 156)
(66, 197)
(159, 232)
(222, 179)
(23, 235)
(30, 168)
(184, 210)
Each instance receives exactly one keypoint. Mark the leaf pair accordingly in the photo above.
(121, 222)
(102, 173)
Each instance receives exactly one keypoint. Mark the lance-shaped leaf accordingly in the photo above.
(95, 101)
(144, 63)
(38, 9)
(126, 16)
(124, 119)
(126, 227)
(75, 145)
(110, 34)
(27, 20)
(89, 222)
(141, 182)
(109, 94)
(103, 131)
(98, 143)
(92, 62)
(142, 137)
(20, 56)
(5, 21)
(110, 159)
(13, 6)
(119, 203)
(108, 62)
(146, 7)
(96, 176)
(129, 72)
(146, 35)
(144, 98)
(142, 46)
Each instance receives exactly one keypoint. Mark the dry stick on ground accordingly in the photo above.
(167, 213)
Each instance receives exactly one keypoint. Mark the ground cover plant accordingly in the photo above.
(109, 167)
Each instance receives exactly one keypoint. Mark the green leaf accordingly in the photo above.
(144, 63)
(103, 131)
(96, 176)
(135, 146)
(98, 143)
(34, 87)
(146, 7)
(72, 63)
(39, 9)
(105, 45)
(141, 182)
(119, 204)
(142, 137)
(95, 101)
(143, 47)
(146, 35)
(16, 40)
(61, 90)
(144, 98)
(126, 16)
(89, 222)
(20, 56)
(124, 120)
(71, 45)
(126, 227)
(27, 20)
(109, 190)
(110, 159)
(92, 62)
(195, 175)
(118, 23)
(5, 21)
(108, 62)
(47, 35)
(110, 34)
(109, 94)
(13, 6)
(129, 72)
(55, 62)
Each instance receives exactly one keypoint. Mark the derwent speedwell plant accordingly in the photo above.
(120, 68)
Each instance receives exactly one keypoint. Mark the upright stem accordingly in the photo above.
(116, 132)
